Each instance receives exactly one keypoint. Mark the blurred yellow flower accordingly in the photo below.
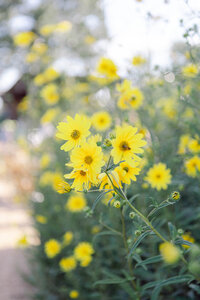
(107, 68)
(23, 242)
(68, 237)
(184, 140)
(23, 105)
(67, 264)
(190, 70)
(129, 96)
(73, 294)
(194, 145)
(192, 166)
(50, 94)
(96, 229)
(47, 29)
(31, 57)
(39, 79)
(41, 219)
(127, 144)
(39, 48)
(52, 248)
(169, 252)
(76, 203)
(74, 131)
(159, 176)
(49, 115)
(138, 60)
(50, 74)
(63, 26)
(24, 39)
(187, 237)
(101, 120)
(89, 40)
(45, 160)
(83, 252)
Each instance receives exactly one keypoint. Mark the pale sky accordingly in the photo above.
(132, 32)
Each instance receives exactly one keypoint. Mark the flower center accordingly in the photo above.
(158, 176)
(124, 146)
(82, 173)
(101, 120)
(75, 134)
(88, 160)
(126, 169)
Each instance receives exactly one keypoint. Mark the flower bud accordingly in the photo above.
(175, 196)
(117, 204)
(132, 215)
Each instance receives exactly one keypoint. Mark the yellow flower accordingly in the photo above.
(23, 105)
(24, 39)
(101, 121)
(41, 219)
(39, 79)
(86, 261)
(46, 178)
(50, 94)
(73, 294)
(194, 145)
(187, 89)
(187, 237)
(89, 158)
(159, 176)
(63, 26)
(127, 171)
(192, 166)
(83, 252)
(31, 57)
(74, 131)
(95, 138)
(45, 161)
(68, 237)
(23, 242)
(61, 186)
(81, 180)
(131, 98)
(105, 181)
(190, 70)
(52, 248)
(67, 264)
(107, 68)
(39, 48)
(50, 74)
(96, 229)
(184, 140)
(127, 144)
(169, 252)
(47, 29)
(138, 60)
(76, 203)
(49, 115)
(89, 40)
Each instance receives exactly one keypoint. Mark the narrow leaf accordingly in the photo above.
(138, 241)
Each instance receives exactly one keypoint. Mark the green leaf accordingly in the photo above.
(138, 241)
(183, 242)
(155, 293)
(172, 230)
(150, 260)
(159, 207)
(107, 232)
(113, 281)
(168, 281)
(98, 199)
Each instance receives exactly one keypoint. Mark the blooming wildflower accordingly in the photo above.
(132, 97)
(67, 264)
(24, 39)
(61, 186)
(101, 121)
(49, 115)
(68, 237)
(187, 237)
(127, 171)
(107, 182)
(175, 196)
(83, 253)
(74, 131)
(39, 48)
(169, 252)
(50, 94)
(194, 145)
(190, 70)
(107, 67)
(159, 176)
(39, 79)
(184, 140)
(41, 219)
(192, 166)
(52, 248)
(73, 294)
(127, 144)
(23, 105)
(95, 138)
(76, 203)
(89, 158)
(81, 180)
(138, 60)
(86, 261)
(50, 74)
